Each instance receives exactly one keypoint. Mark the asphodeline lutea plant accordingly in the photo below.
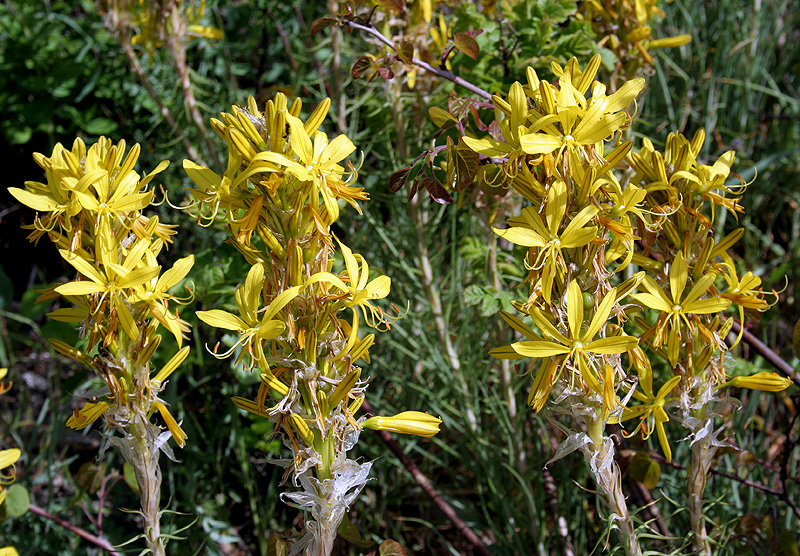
(91, 207)
(7, 470)
(298, 322)
(692, 280)
(595, 209)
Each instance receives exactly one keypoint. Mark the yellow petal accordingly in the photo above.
(488, 147)
(613, 344)
(9, 457)
(536, 348)
(171, 365)
(87, 415)
(204, 178)
(764, 381)
(407, 422)
(37, 201)
(678, 275)
(574, 309)
(80, 288)
(539, 143)
(521, 236)
(300, 141)
(177, 432)
(221, 319)
(175, 274)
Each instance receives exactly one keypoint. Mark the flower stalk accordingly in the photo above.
(91, 208)
(298, 321)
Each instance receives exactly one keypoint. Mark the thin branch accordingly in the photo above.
(430, 490)
(443, 73)
(97, 541)
(177, 47)
(163, 110)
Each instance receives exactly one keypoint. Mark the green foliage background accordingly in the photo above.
(62, 73)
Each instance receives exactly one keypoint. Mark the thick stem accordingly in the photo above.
(599, 453)
(148, 477)
(702, 454)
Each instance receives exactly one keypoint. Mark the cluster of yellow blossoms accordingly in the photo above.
(594, 213)
(90, 208)
(298, 321)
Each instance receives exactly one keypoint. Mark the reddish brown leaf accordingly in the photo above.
(458, 106)
(386, 72)
(398, 179)
(360, 66)
(437, 191)
(394, 5)
(391, 548)
(474, 32)
(321, 24)
(467, 44)
(482, 126)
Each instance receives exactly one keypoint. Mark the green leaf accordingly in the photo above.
(405, 51)
(796, 338)
(17, 501)
(645, 470)
(90, 477)
(351, 534)
(101, 126)
(442, 118)
(391, 548)
(129, 474)
(276, 546)
(467, 44)
(466, 166)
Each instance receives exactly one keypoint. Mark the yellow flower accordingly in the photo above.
(579, 346)
(407, 422)
(653, 415)
(111, 280)
(88, 414)
(319, 165)
(572, 121)
(154, 293)
(3, 386)
(530, 230)
(252, 329)
(512, 127)
(676, 308)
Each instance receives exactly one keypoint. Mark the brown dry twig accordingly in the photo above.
(97, 541)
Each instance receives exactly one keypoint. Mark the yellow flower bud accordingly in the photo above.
(407, 422)
(764, 381)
